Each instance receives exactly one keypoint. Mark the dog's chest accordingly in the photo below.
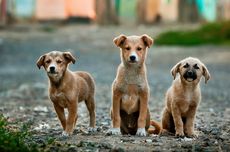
(59, 98)
(130, 99)
(190, 100)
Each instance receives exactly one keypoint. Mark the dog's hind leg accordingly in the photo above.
(167, 122)
(90, 104)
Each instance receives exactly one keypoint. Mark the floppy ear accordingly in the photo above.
(40, 61)
(118, 41)
(175, 70)
(206, 73)
(148, 41)
(69, 57)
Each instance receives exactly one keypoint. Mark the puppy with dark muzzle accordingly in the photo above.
(183, 97)
(67, 88)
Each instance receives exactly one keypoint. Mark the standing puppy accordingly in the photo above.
(130, 89)
(183, 97)
(67, 88)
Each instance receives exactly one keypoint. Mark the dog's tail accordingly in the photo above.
(157, 127)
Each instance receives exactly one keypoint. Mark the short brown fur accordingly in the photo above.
(183, 97)
(130, 89)
(67, 88)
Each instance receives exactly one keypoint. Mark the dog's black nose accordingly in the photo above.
(189, 73)
(52, 69)
(132, 58)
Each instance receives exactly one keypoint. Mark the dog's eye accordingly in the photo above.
(59, 61)
(196, 66)
(48, 61)
(128, 48)
(186, 65)
(139, 48)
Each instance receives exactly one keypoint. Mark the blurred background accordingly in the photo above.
(180, 28)
(114, 11)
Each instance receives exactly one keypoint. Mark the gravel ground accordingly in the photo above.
(23, 88)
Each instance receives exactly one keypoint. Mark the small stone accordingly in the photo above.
(41, 109)
(148, 141)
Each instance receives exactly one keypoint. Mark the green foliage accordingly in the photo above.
(13, 139)
(213, 33)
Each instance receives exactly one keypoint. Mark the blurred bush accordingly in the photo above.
(12, 139)
(211, 33)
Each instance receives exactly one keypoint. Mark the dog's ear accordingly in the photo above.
(40, 61)
(148, 41)
(118, 41)
(206, 73)
(69, 57)
(175, 70)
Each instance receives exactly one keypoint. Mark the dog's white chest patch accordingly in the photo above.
(129, 103)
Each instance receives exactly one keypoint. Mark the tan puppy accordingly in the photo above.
(183, 97)
(130, 89)
(67, 88)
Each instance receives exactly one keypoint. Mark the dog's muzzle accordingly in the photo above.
(190, 75)
(52, 70)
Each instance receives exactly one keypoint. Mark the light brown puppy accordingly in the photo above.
(183, 97)
(67, 88)
(130, 89)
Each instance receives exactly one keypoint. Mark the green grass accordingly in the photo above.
(13, 139)
(213, 33)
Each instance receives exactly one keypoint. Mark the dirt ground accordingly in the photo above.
(24, 98)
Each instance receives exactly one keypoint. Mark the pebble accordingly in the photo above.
(148, 140)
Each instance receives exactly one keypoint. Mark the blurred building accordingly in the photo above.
(111, 11)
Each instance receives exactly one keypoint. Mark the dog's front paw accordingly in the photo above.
(179, 134)
(91, 129)
(114, 131)
(65, 134)
(192, 135)
(141, 132)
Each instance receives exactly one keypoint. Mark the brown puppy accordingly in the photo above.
(67, 88)
(183, 97)
(130, 89)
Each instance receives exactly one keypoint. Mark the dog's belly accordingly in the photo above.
(130, 103)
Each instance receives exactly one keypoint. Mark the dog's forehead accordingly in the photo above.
(55, 54)
(191, 61)
(134, 39)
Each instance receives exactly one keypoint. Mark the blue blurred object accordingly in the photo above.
(207, 9)
(24, 8)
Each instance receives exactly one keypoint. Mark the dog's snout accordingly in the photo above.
(190, 73)
(52, 69)
(132, 58)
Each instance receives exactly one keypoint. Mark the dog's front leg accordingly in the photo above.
(115, 113)
(72, 117)
(61, 115)
(142, 114)
(189, 125)
(177, 120)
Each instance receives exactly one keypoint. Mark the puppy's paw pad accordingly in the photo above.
(114, 131)
(141, 132)
(91, 129)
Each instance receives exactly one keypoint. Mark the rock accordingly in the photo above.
(42, 127)
(148, 141)
(40, 109)
(72, 148)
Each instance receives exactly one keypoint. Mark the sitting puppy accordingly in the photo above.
(67, 88)
(130, 89)
(183, 97)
